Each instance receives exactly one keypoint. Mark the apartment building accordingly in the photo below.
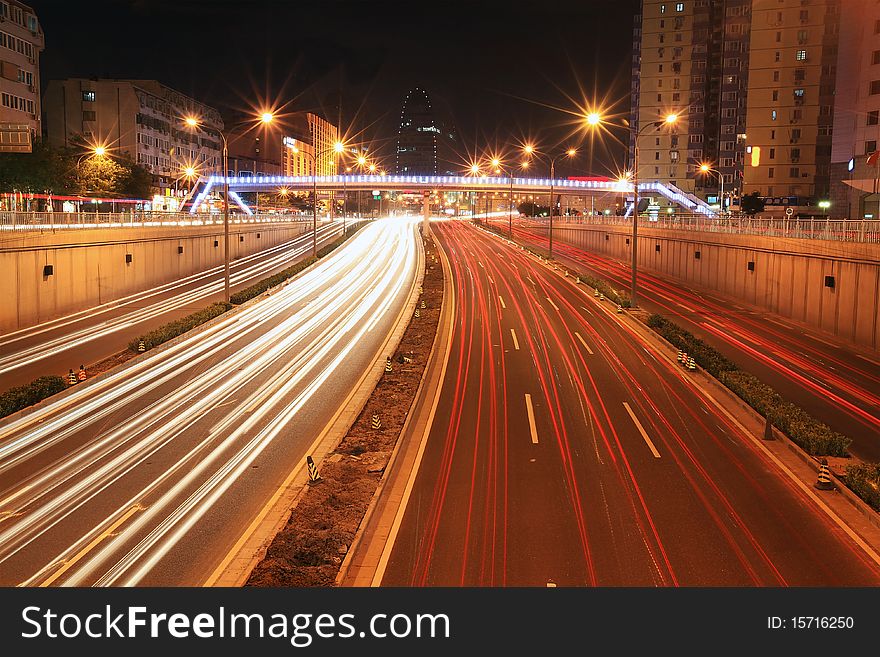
(142, 119)
(21, 42)
(855, 167)
(691, 59)
(792, 68)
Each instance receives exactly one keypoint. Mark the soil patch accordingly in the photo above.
(310, 548)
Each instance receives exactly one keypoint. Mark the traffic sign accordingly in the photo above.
(789, 211)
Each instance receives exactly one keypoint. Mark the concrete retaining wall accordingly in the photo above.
(788, 276)
(90, 268)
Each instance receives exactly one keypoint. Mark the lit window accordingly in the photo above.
(679, 6)
(773, 115)
(88, 96)
(801, 55)
(663, 10)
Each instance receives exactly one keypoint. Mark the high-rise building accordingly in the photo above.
(691, 59)
(142, 119)
(793, 61)
(21, 41)
(854, 181)
(426, 141)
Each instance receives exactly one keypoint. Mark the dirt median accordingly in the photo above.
(310, 548)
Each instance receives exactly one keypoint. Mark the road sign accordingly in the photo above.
(789, 211)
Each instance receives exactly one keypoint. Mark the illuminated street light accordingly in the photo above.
(669, 120)
(530, 151)
(706, 169)
(100, 151)
(338, 147)
(594, 118)
(195, 122)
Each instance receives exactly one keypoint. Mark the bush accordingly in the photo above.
(15, 399)
(603, 286)
(864, 481)
(257, 289)
(179, 327)
(813, 436)
(704, 355)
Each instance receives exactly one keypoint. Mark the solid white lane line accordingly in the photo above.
(866, 359)
(515, 341)
(681, 305)
(531, 413)
(642, 430)
(586, 346)
(552, 304)
(501, 299)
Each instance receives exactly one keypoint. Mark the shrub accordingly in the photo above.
(704, 355)
(180, 326)
(864, 481)
(813, 436)
(257, 289)
(15, 399)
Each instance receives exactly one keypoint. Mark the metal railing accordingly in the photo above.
(840, 230)
(25, 221)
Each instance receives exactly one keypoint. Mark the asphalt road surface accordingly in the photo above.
(565, 452)
(837, 385)
(150, 475)
(95, 333)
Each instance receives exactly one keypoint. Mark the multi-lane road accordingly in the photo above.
(566, 451)
(838, 385)
(149, 475)
(95, 333)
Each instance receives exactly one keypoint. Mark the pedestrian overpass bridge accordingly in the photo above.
(421, 184)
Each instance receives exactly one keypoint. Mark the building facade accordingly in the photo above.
(854, 181)
(142, 119)
(426, 141)
(690, 58)
(21, 42)
(793, 61)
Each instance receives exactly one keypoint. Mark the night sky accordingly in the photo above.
(505, 72)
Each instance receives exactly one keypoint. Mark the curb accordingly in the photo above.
(403, 437)
(237, 565)
(139, 358)
(730, 399)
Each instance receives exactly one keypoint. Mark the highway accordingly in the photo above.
(150, 475)
(95, 333)
(565, 452)
(837, 385)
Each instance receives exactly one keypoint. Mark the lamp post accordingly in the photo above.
(705, 168)
(669, 120)
(529, 150)
(338, 147)
(193, 122)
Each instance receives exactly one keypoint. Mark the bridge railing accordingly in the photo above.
(842, 230)
(25, 221)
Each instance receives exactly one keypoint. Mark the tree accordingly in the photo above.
(752, 204)
(99, 176)
(46, 168)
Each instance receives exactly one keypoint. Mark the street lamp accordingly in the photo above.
(338, 147)
(193, 122)
(705, 168)
(529, 150)
(670, 119)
